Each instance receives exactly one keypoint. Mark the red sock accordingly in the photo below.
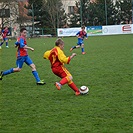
(63, 81)
(73, 86)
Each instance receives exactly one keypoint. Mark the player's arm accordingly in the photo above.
(2, 33)
(16, 44)
(22, 45)
(78, 34)
(63, 58)
(30, 48)
(86, 36)
(8, 33)
(46, 54)
(73, 54)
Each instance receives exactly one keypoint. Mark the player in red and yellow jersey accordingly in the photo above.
(22, 57)
(58, 59)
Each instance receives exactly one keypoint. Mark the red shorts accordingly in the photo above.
(61, 71)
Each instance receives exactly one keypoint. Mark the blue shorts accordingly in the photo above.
(4, 38)
(80, 42)
(23, 59)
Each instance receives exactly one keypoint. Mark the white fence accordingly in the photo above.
(98, 30)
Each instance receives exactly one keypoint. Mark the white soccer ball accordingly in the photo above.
(84, 90)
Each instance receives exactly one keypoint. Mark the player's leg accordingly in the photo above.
(74, 47)
(3, 39)
(19, 64)
(9, 71)
(73, 86)
(62, 73)
(6, 39)
(29, 62)
(63, 81)
(66, 78)
(82, 48)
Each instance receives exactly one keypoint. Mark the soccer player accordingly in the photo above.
(58, 59)
(5, 32)
(81, 35)
(22, 57)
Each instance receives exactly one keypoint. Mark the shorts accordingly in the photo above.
(23, 59)
(4, 38)
(61, 71)
(80, 42)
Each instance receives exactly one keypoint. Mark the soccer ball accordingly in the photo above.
(84, 90)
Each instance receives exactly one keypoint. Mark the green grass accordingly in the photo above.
(106, 69)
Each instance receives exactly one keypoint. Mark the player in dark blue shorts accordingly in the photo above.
(5, 32)
(22, 57)
(81, 35)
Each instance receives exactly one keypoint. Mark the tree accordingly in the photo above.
(23, 18)
(106, 12)
(124, 11)
(93, 13)
(56, 14)
(49, 14)
(80, 15)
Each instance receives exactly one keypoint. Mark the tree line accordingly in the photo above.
(49, 14)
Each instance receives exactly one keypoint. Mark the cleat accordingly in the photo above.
(1, 75)
(77, 93)
(83, 53)
(7, 46)
(58, 85)
(0, 47)
(71, 49)
(41, 82)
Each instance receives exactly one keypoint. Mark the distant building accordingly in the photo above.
(68, 6)
(16, 17)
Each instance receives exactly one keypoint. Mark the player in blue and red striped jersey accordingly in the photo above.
(81, 35)
(22, 57)
(5, 32)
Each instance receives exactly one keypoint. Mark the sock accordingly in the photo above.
(73, 86)
(73, 47)
(6, 43)
(82, 49)
(8, 72)
(63, 81)
(36, 76)
(1, 43)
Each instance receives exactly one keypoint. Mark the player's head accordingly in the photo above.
(23, 32)
(60, 43)
(5, 28)
(83, 27)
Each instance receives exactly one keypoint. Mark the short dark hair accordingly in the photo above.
(83, 27)
(22, 29)
(5, 27)
(59, 41)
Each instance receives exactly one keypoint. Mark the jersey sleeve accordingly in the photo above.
(78, 33)
(8, 32)
(21, 42)
(86, 35)
(16, 43)
(62, 57)
(46, 54)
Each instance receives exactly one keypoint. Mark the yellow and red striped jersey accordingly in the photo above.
(56, 57)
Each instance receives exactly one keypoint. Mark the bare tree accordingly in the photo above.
(55, 13)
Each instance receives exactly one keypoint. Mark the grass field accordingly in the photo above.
(106, 69)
